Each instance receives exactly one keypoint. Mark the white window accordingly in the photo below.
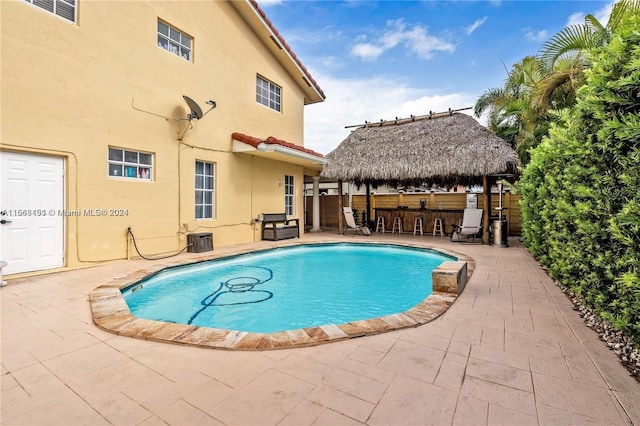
(130, 164)
(289, 198)
(174, 41)
(205, 189)
(63, 8)
(268, 93)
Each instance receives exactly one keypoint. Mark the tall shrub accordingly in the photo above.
(580, 194)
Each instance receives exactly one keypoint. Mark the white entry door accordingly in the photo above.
(31, 207)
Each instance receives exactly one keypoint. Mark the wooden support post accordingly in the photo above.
(340, 212)
(486, 209)
(368, 206)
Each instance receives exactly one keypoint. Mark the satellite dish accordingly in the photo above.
(196, 111)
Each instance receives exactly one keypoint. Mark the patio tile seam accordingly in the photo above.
(498, 383)
(365, 376)
(597, 420)
(201, 411)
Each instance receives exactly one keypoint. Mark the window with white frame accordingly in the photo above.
(63, 8)
(130, 164)
(174, 41)
(205, 189)
(289, 197)
(268, 93)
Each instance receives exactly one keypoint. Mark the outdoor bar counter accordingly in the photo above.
(408, 215)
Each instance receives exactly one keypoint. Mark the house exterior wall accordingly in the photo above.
(74, 90)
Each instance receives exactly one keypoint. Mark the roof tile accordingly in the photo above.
(254, 142)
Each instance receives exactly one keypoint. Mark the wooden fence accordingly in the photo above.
(439, 200)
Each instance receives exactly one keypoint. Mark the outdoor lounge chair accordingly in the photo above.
(470, 228)
(352, 225)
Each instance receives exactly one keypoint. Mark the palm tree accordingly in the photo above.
(513, 113)
(562, 56)
(519, 111)
(574, 40)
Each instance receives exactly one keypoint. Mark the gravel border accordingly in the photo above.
(620, 343)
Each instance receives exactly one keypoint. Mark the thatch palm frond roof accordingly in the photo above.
(454, 149)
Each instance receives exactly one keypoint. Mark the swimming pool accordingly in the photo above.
(289, 288)
(111, 313)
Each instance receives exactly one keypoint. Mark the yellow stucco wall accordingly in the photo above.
(73, 90)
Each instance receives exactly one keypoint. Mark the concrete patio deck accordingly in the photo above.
(511, 350)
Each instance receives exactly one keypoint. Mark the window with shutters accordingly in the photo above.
(63, 8)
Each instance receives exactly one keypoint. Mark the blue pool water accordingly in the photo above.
(289, 288)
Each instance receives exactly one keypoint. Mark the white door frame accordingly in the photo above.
(32, 226)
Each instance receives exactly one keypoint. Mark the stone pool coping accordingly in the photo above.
(111, 312)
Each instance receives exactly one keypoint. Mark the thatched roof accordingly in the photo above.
(451, 149)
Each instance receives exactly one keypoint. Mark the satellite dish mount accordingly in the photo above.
(195, 112)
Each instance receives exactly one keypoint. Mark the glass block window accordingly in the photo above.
(289, 197)
(130, 164)
(63, 8)
(205, 189)
(174, 41)
(268, 93)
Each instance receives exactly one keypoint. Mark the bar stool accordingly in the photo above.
(397, 225)
(417, 225)
(438, 227)
(380, 224)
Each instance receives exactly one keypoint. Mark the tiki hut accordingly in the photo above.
(446, 148)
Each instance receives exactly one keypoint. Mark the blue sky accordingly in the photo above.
(385, 59)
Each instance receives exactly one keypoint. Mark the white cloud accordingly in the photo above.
(533, 35)
(367, 51)
(416, 39)
(576, 18)
(330, 62)
(602, 15)
(471, 28)
(351, 102)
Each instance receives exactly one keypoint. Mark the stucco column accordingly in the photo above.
(316, 205)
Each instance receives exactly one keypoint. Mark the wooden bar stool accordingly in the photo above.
(397, 225)
(380, 224)
(417, 225)
(438, 227)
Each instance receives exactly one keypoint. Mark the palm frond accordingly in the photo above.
(621, 12)
(574, 38)
(594, 25)
(487, 100)
(559, 85)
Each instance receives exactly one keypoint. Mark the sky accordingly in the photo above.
(385, 59)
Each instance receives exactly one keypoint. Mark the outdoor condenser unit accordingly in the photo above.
(199, 243)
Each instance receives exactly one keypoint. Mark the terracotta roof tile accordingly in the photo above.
(254, 142)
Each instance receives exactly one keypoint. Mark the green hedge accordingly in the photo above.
(580, 194)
